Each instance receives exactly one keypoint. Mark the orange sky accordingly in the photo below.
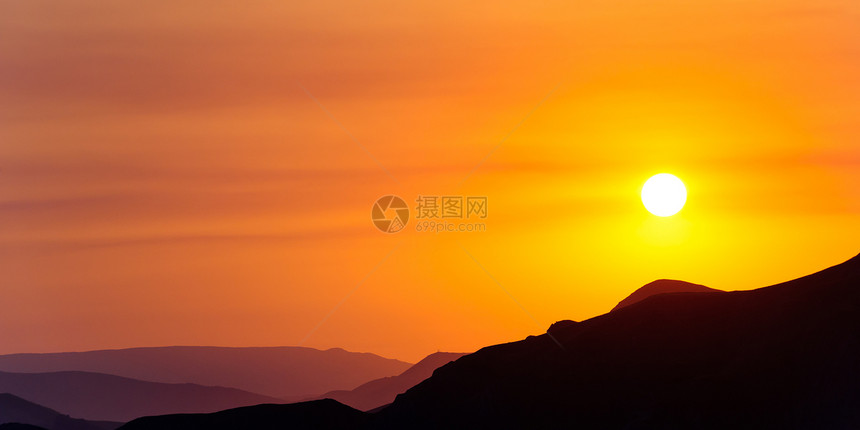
(164, 178)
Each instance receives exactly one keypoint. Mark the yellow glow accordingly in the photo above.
(236, 210)
(664, 194)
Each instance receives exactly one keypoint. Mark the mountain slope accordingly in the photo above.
(382, 391)
(19, 426)
(785, 356)
(317, 414)
(663, 286)
(97, 396)
(14, 409)
(283, 372)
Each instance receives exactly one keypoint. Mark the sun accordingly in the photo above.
(664, 194)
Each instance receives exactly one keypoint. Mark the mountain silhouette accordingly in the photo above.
(317, 414)
(290, 373)
(19, 414)
(97, 396)
(662, 286)
(382, 391)
(785, 356)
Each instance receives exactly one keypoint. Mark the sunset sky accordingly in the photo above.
(201, 174)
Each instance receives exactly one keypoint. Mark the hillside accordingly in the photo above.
(382, 391)
(318, 414)
(662, 286)
(97, 396)
(785, 356)
(282, 372)
(19, 414)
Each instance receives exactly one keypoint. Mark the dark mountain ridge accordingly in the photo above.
(313, 415)
(785, 356)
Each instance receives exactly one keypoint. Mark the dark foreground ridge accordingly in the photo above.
(785, 356)
(316, 414)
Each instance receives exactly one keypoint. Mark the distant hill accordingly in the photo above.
(662, 286)
(282, 372)
(382, 391)
(19, 414)
(97, 396)
(313, 415)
